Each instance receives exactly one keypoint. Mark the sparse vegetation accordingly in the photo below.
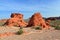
(38, 28)
(2, 23)
(20, 32)
(57, 27)
(55, 24)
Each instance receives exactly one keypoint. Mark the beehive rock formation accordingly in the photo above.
(37, 20)
(16, 20)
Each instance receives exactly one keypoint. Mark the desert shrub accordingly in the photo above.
(38, 28)
(57, 27)
(20, 32)
(55, 23)
(1, 23)
(21, 27)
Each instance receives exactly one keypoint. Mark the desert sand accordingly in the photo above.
(31, 34)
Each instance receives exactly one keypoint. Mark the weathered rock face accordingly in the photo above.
(16, 20)
(37, 20)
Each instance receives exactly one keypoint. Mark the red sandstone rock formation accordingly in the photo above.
(16, 20)
(37, 20)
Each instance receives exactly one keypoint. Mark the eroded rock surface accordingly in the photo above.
(16, 20)
(37, 20)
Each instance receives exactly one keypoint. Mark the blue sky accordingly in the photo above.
(47, 8)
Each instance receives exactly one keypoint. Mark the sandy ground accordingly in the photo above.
(32, 34)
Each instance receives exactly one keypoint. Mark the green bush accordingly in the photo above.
(38, 28)
(57, 27)
(20, 32)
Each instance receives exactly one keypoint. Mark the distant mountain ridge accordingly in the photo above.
(53, 18)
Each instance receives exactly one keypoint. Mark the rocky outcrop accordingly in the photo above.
(37, 20)
(16, 20)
